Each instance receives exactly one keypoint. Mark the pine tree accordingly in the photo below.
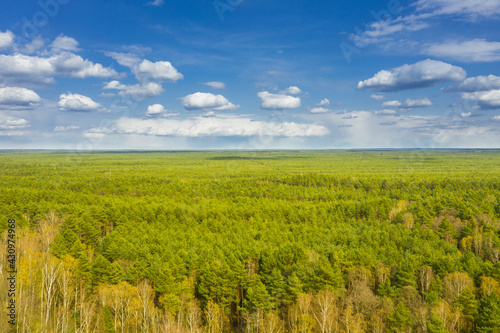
(435, 324)
(488, 320)
(400, 319)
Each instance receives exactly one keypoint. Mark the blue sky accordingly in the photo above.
(251, 74)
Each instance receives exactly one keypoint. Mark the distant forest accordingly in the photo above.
(267, 242)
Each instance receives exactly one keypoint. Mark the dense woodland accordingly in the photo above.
(268, 242)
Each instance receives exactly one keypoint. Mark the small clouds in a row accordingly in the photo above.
(408, 104)
(211, 126)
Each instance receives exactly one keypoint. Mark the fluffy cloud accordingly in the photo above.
(160, 70)
(212, 126)
(136, 91)
(486, 99)
(478, 83)
(14, 98)
(76, 102)
(146, 70)
(215, 85)
(408, 104)
(292, 90)
(23, 68)
(207, 101)
(6, 39)
(12, 123)
(324, 102)
(496, 118)
(476, 50)
(65, 43)
(157, 110)
(278, 101)
(419, 75)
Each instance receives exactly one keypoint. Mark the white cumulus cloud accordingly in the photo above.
(207, 101)
(292, 90)
(158, 110)
(160, 70)
(35, 69)
(6, 39)
(486, 99)
(478, 83)
(77, 102)
(15, 98)
(278, 101)
(65, 43)
(422, 74)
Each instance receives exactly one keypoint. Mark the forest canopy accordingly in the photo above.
(267, 241)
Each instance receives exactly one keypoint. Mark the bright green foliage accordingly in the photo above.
(252, 231)
(435, 324)
(488, 320)
(258, 297)
(107, 321)
(400, 319)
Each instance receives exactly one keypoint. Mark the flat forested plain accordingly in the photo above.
(268, 241)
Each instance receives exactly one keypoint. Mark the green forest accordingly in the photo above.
(268, 241)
